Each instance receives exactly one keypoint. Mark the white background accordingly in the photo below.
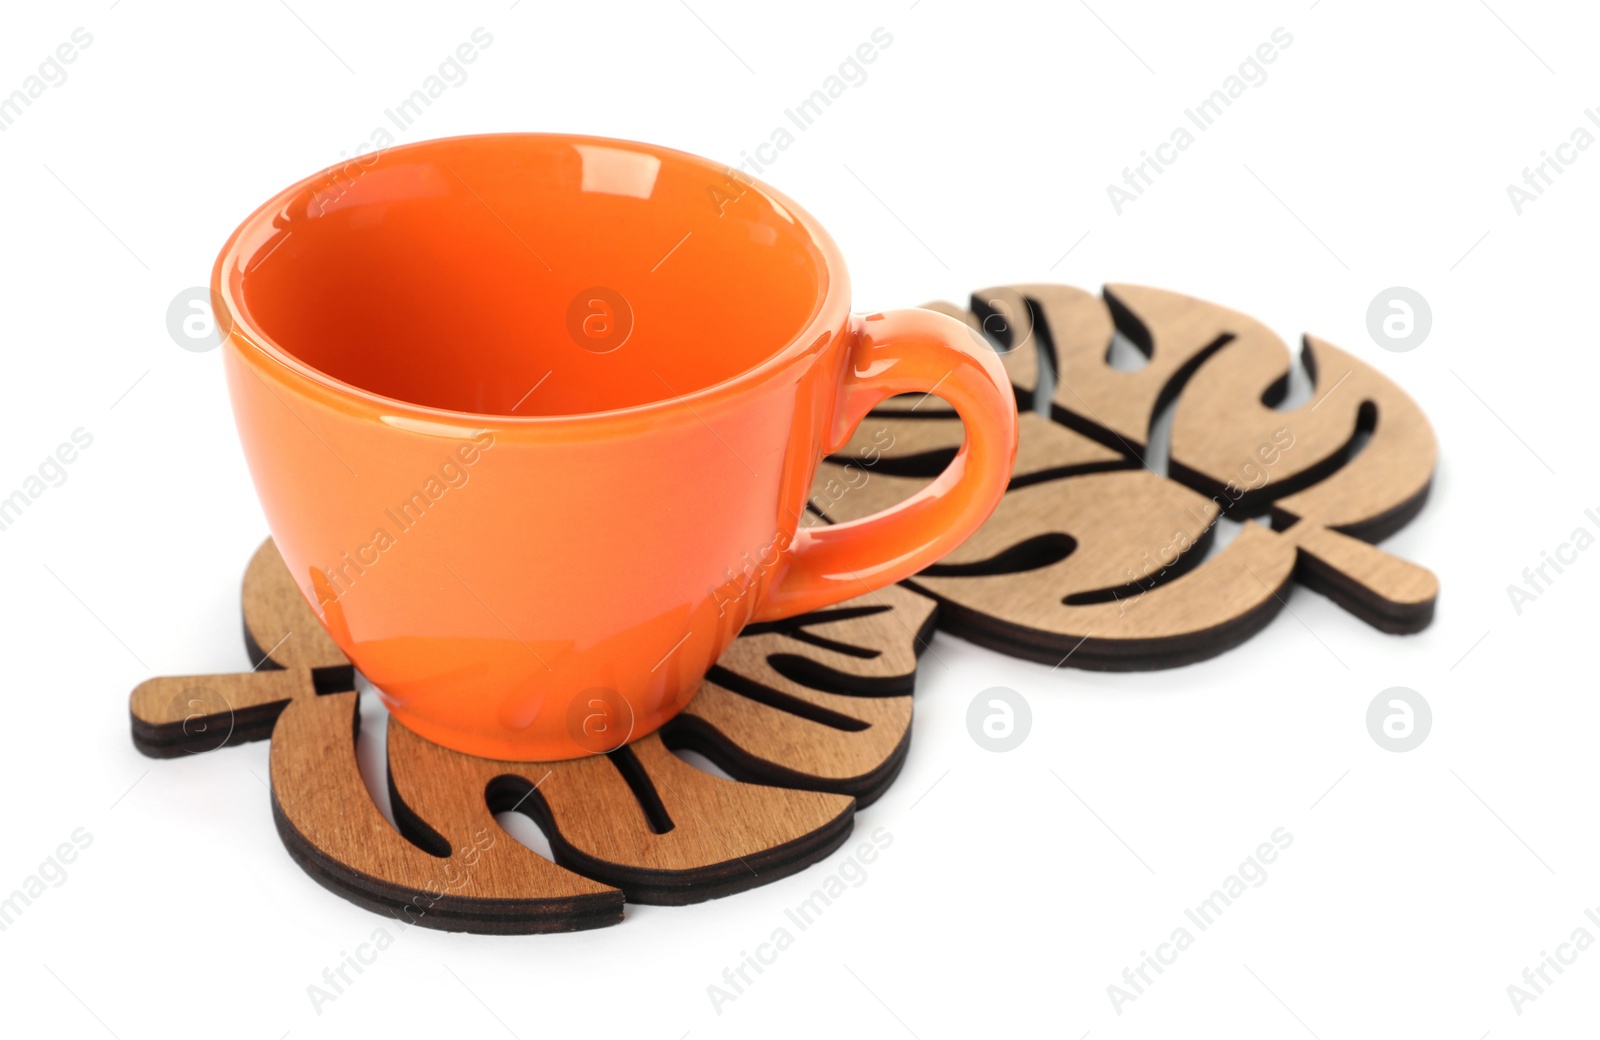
(1377, 153)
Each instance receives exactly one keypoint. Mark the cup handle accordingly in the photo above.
(899, 352)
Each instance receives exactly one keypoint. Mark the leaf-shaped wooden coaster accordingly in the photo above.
(820, 702)
(816, 711)
(1096, 561)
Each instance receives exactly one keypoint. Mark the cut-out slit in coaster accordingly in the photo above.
(1095, 560)
(811, 719)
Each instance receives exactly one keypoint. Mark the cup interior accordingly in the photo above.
(527, 274)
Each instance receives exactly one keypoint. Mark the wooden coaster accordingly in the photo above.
(812, 716)
(1094, 560)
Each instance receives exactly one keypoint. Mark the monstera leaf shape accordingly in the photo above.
(1094, 560)
(812, 716)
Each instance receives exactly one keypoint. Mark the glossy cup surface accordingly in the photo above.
(533, 420)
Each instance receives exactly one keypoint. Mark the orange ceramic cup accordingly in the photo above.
(534, 418)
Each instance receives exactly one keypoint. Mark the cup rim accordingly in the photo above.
(827, 317)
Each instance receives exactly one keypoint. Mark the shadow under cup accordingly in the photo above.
(462, 274)
(519, 407)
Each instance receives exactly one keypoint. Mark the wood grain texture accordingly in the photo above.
(638, 818)
(1094, 561)
(809, 714)
(186, 715)
(991, 331)
(279, 627)
(471, 877)
(820, 702)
